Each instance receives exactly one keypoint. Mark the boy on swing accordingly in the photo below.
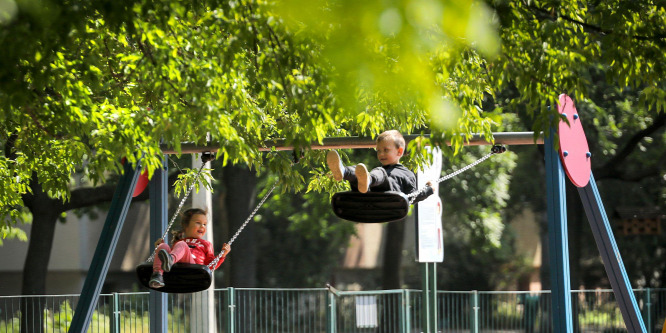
(391, 176)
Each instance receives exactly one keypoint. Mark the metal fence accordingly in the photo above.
(323, 310)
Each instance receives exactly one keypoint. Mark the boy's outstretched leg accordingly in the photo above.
(377, 179)
(363, 177)
(335, 165)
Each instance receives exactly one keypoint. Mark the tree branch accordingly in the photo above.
(10, 153)
(553, 16)
(611, 167)
(90, 196)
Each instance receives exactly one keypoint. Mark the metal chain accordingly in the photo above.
(219, 256)
(494, 151)
(180, 206)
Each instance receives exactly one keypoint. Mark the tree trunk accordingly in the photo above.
(240, 200)
(393, 255)
(45, 212)
(395, 234)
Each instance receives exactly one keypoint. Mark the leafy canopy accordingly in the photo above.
(84, 84)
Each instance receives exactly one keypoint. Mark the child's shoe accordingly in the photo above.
(156, 280)
(335, 164)
(166, 258)
(363, 177)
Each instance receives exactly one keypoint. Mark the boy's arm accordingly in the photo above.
(410, 187)
(424, 194)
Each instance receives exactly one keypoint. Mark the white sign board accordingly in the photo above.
(366, 311)
(430, 238)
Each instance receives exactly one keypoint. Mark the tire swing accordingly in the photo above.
(184, 277)
(390, 206)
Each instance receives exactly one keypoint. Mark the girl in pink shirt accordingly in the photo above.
(188, 247)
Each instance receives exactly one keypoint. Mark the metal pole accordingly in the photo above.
(558, 242)
(204, 301)
(231, 310)
(406, 312)
(648, 309)
(433, 296)
(331, 314)
(475, 312)
(355, 142)
(116, 313)
(610, 255)
(108, 240)
(158, 191)
(429, 298)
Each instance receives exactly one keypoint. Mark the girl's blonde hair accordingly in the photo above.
(185, 219)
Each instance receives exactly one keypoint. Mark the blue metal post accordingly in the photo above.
(158, 190)
(92, 286)
(429, 298)
(433, 296)
(231, 310)
(475, 312)
(603, 235)
(116, 314)
(557, 238)
(332, 313)
(405, 313)
(648, 308)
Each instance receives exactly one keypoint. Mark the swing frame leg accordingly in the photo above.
(610, 255)
(158, 191)
(106, 246)
(557, 241)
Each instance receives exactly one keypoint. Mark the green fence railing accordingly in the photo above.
(329, 311)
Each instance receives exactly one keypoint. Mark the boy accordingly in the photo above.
(391, 176)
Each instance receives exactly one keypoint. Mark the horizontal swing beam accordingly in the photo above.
(355, 142)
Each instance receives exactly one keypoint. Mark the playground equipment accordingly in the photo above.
(572, 142)
(183, 277)
(390, 206)
(575, 157)
(371, 207)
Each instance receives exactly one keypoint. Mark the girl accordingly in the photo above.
(188, 247)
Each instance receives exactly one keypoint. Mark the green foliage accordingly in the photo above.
(116, 84)
(477, 245)
(83, 85)
(12, 233)
(302, 228)
(193, 179)
(59, 319)
(548, 48)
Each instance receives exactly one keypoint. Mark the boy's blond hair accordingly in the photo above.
(392, 135)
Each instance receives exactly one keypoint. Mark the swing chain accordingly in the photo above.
(497, 149)
(205, 157)
(219, 256)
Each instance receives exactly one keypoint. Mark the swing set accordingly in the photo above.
(371, 207)
(572, 158)
(184, 277)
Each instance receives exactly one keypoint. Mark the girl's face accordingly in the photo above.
(197, 226)
(388, 153)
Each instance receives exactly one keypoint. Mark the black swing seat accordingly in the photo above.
(182, 278)
(371, 207)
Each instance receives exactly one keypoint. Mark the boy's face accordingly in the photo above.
(197, 226)
(388, 153)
